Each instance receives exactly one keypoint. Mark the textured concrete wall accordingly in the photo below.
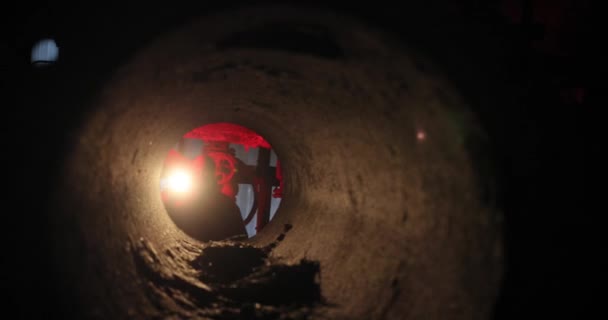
(401, 227)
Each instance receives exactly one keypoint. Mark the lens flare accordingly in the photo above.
(180, 181)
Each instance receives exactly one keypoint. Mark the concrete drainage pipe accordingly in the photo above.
(385, 214)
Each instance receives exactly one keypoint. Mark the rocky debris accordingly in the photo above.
(278, 285)
(228, 280)
(220, 264)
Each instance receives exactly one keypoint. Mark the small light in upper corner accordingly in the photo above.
(45, 52)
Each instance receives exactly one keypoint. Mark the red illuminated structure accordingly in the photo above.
(229, 170)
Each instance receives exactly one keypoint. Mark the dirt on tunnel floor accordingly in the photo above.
(228, 279)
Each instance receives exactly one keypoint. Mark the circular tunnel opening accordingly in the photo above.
(381, 194)
(221, 180)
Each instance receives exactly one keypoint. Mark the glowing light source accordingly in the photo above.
(180, 181)
(45, 52)
(420, 135)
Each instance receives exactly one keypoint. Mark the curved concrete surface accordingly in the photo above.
(380, 159)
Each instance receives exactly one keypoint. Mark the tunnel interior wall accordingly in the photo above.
(398, 224)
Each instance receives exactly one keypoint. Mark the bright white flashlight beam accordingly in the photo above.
(180, 181)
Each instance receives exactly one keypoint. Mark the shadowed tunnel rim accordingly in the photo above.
(426, 246)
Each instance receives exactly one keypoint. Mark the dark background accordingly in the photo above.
(525, 67)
